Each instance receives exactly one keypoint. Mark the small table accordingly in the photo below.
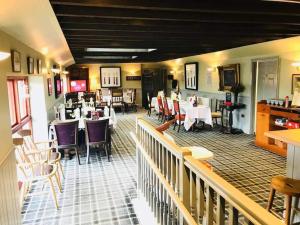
(231, 108)
(200, 153)
(292, 138)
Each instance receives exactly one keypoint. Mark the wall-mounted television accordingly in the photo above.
(57, 86)
(229, 75)
(78, 85)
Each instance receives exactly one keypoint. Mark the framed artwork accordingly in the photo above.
(30, 65)
(49, 83)
(129, 77)
(191, 76)
(295, 82)
(16, 61)
(39, 65)
(110, 77)
(229, 76)
(57, 86)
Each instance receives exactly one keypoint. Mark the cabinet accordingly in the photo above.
(265, 121)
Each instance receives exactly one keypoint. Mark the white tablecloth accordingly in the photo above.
(84, 111)
(201, 112)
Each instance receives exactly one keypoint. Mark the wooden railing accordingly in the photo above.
(181, 190)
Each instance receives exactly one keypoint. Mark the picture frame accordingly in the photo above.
(57, 86)
(110, 77)
(295, 82)
(30, 65)
(49, 84)
(39, 65)
(191, 76)
(229, 75)
(16, 61)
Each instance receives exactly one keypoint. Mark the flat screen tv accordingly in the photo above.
(78, 86)
(229, 76)
(57, 86)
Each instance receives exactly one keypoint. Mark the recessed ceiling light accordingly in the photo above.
(109, 57)
(120, 49)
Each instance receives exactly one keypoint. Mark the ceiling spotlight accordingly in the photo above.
(120, 49)
(109, 57)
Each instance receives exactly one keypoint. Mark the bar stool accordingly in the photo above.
(287, 186)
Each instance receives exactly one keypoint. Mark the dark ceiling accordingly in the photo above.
(175, 28)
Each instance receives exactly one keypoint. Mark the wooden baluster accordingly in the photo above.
(192, 209)
(162, 204)
(220, 219)
(167, 165)
(184, 190)
(209, 206)
(200, 199)
(233, 217)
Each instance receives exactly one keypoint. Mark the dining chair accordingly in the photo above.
(34, 169)
(179, 118)
(217, 113)
(150, 107)
(66, 135)
(43, 147)
(160, 108)
(117, 99)
(97, 133)
(129, 100)
(167, 112)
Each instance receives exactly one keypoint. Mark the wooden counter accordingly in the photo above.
(288, 136)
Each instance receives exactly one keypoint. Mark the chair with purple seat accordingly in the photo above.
(97, 133)
(66, 134)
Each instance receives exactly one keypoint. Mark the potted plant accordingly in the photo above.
(236, 89)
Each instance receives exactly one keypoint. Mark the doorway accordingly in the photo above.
(265, 76)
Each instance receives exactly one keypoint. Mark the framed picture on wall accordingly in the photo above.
(49, 83)
(110, 77)
(191, 76)
(295, 82)
(229, 76)
(39, 65)
(16, 61)
(30, 65)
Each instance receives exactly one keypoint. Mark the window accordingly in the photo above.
(18, 98)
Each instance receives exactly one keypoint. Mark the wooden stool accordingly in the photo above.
(288, 187)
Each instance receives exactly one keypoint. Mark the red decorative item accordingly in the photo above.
(228, 103)
(293, 125)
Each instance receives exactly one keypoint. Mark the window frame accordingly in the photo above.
(20, 121)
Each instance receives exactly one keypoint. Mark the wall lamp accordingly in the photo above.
(55, 69)
(4, 55)
(296, 64)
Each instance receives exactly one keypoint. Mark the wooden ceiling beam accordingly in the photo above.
(203, 18)
(231, 6)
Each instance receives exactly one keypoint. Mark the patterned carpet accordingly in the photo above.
(102, 192)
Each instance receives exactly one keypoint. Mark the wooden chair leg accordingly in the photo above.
(179, 126)
(87, 154)
(271, 199)
(61, 169)
(175, 124)
(77, 155)
(58, 182)
(53, 192)
(288, 208)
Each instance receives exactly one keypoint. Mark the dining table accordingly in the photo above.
(192, 113)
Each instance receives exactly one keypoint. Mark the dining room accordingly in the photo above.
(136, 112)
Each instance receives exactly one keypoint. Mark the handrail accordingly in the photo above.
(185, 213)
(196, 181)
(253, 211)
(175, 149)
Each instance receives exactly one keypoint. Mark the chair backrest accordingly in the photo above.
(166, 107)
(160, 104)
(176, 107)
(96, 131)
(218, 105)
(117, 95)
(66, 133)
